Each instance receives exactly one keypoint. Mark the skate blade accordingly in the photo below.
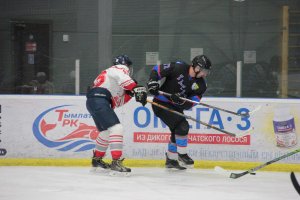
(99, 170)
(185, 165)
(174, 170)
(119, 174)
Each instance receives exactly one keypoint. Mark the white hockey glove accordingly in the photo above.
(140, 94)
(153, 87)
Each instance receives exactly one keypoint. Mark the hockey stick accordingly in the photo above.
(198, 121)
(295, 182)
(238, 175)
(209, 106)
(225, 172)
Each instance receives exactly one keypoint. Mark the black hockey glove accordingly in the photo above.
(140, 93)
(187, 105)
(153, 87)
(175, 98)
(130, 93)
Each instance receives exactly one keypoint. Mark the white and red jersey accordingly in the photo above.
(116, 80)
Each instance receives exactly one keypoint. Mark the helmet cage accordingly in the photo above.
(206, 71)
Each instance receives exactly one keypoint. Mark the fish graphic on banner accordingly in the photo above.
(67, 131)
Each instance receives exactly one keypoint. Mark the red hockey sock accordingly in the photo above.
(99, 154)
(116, 154)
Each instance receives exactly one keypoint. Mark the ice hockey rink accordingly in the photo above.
(78, 183)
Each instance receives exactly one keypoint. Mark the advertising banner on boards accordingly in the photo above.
(61, 127)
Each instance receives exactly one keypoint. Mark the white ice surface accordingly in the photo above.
(78, 183)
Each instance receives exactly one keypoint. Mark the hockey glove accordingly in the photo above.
(140, 93)
(130, 93)
(175, 98)
(153, 87)
(187, 105)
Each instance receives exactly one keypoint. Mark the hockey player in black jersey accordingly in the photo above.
(181, 80)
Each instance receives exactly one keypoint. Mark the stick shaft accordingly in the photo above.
(209, 106)
(237, 175)
(189, 117)
(295, 182)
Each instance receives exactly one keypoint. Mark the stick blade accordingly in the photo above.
(238, 175)
(255, 110)
(229, 174)
(222, 171)
(233, 175)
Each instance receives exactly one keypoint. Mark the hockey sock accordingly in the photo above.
(101, 144)
(172, 151)
(116, 141)
(99, 153)
(181, 142)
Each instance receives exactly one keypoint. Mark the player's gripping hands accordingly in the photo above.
(175, 98)
(153, 87)
(140, 94)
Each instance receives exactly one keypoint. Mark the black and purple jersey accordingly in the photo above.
(178, 80)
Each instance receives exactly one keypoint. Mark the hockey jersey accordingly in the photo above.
(117, 81)
(177, 80)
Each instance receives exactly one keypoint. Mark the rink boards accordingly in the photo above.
(58, 130)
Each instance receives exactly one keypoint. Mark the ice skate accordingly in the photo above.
(186, 160)
(98, 162)
(117, 168)
(98, 165)
(173, 164)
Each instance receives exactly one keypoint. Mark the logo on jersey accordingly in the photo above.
(166, 66)
(195, 86)
(64, 128)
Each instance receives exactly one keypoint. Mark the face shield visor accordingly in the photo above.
(205, 71)
(201, 71)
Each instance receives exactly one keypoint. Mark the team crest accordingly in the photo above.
(195, 86)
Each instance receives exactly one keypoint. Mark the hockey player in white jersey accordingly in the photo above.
(112, 88)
